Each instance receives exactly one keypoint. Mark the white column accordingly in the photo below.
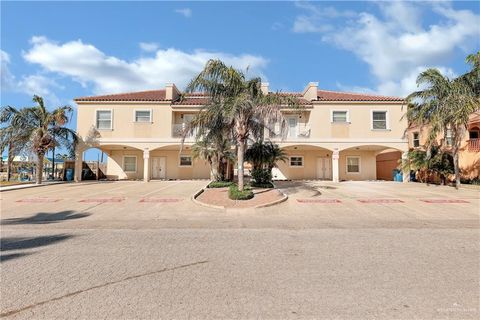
(335, 169)
(146, 166)
(78, 165)
(405, 173)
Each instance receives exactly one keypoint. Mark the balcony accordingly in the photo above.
(301, 132)
(177, 131)
(473, 145)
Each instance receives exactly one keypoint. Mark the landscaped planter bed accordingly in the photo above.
(218, 197)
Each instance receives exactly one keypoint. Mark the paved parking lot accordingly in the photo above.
(352, 250)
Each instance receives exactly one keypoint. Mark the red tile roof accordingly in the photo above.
(198, 98)
(325, 95)
(151, 95)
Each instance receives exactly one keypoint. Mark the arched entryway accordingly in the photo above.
(368, 162)
(304, 162)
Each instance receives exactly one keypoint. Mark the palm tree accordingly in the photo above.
(240, 103)
(12, 137)
(45, 129)
(265, 154)
(445, 106)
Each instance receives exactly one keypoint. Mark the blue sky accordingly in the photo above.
(63, 50)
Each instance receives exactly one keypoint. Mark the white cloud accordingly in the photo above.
(186, 12)
(396, 45)
(27, 84)
(318, 18)
(87, 65)
(149, 46)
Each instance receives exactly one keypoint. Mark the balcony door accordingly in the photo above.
(292, 122)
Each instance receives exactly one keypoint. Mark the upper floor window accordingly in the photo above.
(296, 161)
(143, 116)
(340, 116)
(416, 139)
(104, 119)
(379, 120)
(474, 133)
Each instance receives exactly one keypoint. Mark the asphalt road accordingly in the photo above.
(370, 261)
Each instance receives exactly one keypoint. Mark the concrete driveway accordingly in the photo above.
(128, 250)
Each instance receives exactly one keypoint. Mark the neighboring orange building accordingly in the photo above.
(469, 157)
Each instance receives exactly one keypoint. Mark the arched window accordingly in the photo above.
(474, 133)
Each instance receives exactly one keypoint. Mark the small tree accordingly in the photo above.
(44, 129)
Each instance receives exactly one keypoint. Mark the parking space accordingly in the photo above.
(134, 204)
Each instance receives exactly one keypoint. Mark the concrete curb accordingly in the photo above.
(29, 185)
(199, 192)
(285, 198)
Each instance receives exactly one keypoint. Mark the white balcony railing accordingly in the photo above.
(179, 128)
(294, 133)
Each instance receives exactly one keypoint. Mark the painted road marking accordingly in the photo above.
(160, 200)
(444, 201)
(103, 200)
(319, 201)
(380, 201)
(38, 200)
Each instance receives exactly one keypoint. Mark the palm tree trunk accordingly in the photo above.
(53, 163)
(39, 169)
(10, 161)
(456, 168)
(214, 168)
(240, 157)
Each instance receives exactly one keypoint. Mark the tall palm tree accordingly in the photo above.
(241, 104)
(444, 106)
(45, 129)
(12, 137)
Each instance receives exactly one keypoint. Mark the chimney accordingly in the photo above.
(171, 92)
(310, 92)
(264, 87)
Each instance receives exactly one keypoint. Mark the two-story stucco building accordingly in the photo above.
(334, 136)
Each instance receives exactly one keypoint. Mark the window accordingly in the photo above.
(104, 119)
(143, 116)
(292, 123)
(130, 163)
(339, 116)
(473, 133)
(296, 161)
(353, 164)
(185, 161)
(379, 120)
(448, 137)
(416, 139)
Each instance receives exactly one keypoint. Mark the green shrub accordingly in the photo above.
(261, 185)
(235, 194)
(220, 184)
(262, 176)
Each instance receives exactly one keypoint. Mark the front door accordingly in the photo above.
(324, 169)
(158, 168)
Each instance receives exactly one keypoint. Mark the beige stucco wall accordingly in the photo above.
(368, 165)
(309, 169)
(199, 169)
